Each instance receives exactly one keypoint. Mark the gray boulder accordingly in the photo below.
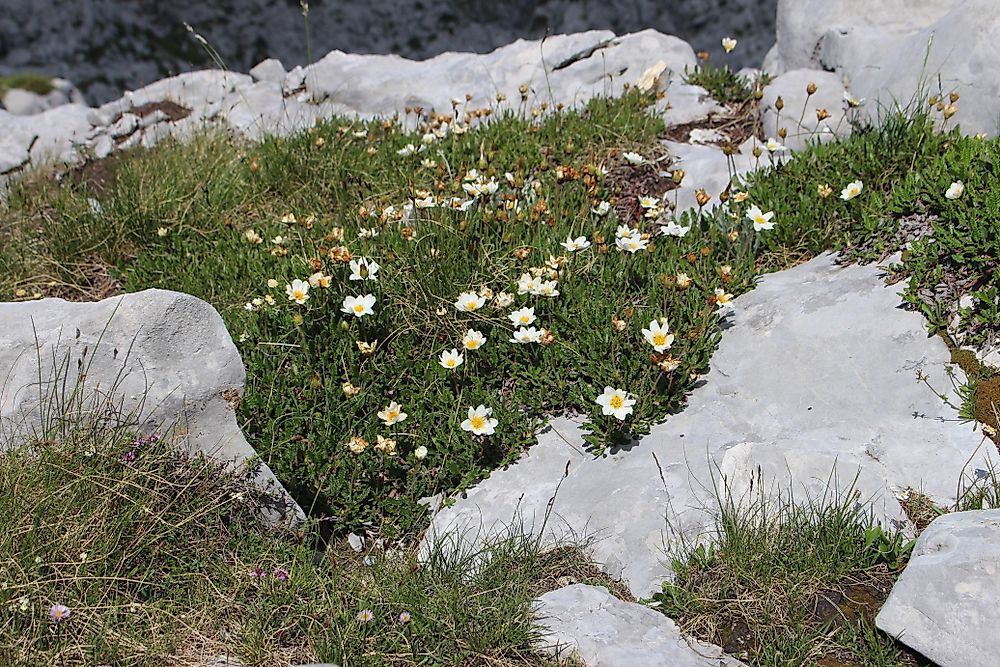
(163, 360)
(826, 403)
(26, 103)
(897, 51)
(589, 623)
(945, 603)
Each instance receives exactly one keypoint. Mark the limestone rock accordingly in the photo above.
(945, 603)
(601, 630)
(163, 358)
(566, 69)
(828, 341)
(270, 71)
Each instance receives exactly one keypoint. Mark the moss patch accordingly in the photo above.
(35, 83)
(988, 402)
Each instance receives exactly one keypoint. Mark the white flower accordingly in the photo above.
(673, 229)
(761, 220)
(773, 145)
(469, 301)
(853, 102)
(649, 202)
(852, 190)
(408, 149)
(633, 158)
(248, 306)
(728, 44)
(522, 317)
(602, 208)
(426, 202)
(370, 233)
(479, 421)
(278, 240)
(527, 283)
(658, 335)
(162, 231)
(360, 134)
(624, 231)
(272, 283)
(473, 340)
(547, 288)
(363, 269)
(632, 243)
(393, 414)
(298, 291)
(428, 163)
(615, 403)
(359, 306)
(451, 359)
(504, 299)
(955, 190)
(319, 279)
(471, 175)
(428, 138)
(527, 335)
(573, 244)
(253, 237)
(420, 453)
(723, 298)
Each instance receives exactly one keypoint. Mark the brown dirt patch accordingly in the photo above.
(627, 182)
(173, 111)
(736, 124)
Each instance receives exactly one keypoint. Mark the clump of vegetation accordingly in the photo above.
(790, 583)
(40, 84)
(725, 86)
(118, 550)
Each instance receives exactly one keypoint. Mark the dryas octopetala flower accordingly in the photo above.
(624, 231)
(363, 269)
(773, 145)
(357, 445)
(420, 453)
(728, 44)
(473, 340)
(852, 190)
(658, 335)
(359, 306)
(573, 244)
(824, 190)
(350, 389)
(392, 414)
(503, 299)
(955, 190)
(522, 316)
(632, 244)
(615, 403)
(723, 298)
(683, 281)
(761, 221)
(298, 291)
(479, 421)
(451, 359)
(633, 158)
(547, 288)
(602, 208)
(319, 279)
(253, 237)
(469, 302)
(527, 283)
(649, 202)
(526, 335)
(674, 229)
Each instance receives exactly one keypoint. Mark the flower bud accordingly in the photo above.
(811, 88)
(678, 176)
(782, 132)
(779, 103)
(702, 197)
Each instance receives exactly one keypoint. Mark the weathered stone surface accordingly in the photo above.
(270, 70)
(163, 358)
(828, 393)
(708, 168)
(945, 603)
(889, 51)
(602, 631)
(804, 25)
(566, 69)
(798, 116)
(25, 103)
(194, 90)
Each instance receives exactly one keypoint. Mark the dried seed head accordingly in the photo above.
(810, 88)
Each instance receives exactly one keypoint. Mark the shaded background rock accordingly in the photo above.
(108, 46)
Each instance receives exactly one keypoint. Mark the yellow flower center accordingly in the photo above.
(616, 402)
(393, 415)
(471, 344)
(471, 305)
(659, 339)
(477, 422)
(298, 295)
(451, 363)
(359, 307)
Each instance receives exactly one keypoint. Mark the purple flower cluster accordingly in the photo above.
(138, 444)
